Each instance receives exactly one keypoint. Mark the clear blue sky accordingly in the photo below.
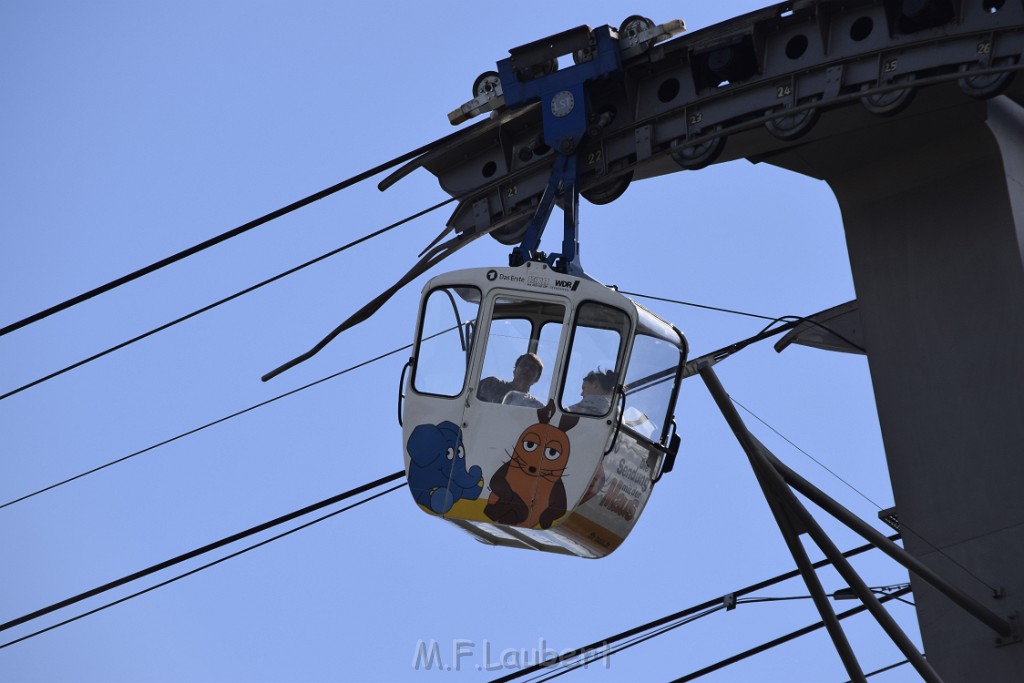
(129, 131)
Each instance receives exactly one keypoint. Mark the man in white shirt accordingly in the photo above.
(527, 371)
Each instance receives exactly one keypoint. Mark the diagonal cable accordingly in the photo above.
(643, 628)
(213, 241)
(199, 569)
(903, 524)
(225, 300)
(694, 305)
(206, 426)
(884, 669)
(590, 658)
(199, 551)
(793, 635)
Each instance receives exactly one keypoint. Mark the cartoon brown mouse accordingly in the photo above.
(528, 489)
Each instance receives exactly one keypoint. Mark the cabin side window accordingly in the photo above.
(593, 368)
(522, 347)
(445, 340)
(649, 384)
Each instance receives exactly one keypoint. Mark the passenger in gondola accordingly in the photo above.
(597, 393)
(527, 371)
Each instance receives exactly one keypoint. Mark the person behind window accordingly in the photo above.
(525, 374)
(597, 393)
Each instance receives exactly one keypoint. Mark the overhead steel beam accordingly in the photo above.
(758, 84)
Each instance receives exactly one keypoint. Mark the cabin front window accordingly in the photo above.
(522, 347)
(592, 373)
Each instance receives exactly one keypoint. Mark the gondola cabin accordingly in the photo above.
(537, 409)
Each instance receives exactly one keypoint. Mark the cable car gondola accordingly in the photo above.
(539, 410)
(498, 438)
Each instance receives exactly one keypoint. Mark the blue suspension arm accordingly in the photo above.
(565, 118)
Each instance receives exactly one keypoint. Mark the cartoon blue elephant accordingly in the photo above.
(437, 473)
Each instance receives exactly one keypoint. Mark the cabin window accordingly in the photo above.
(445, 340)
(522, 346)
(649, 383)
(592, 372)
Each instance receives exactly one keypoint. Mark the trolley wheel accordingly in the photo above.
(986, 86)
(607, 192)
(631, 28)
(888, 103)
(513, 233)
(793, 126)
(694, 157)
(486, 83)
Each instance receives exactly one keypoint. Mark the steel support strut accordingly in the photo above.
(829, 505)
(791, 530)
(787, 508)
